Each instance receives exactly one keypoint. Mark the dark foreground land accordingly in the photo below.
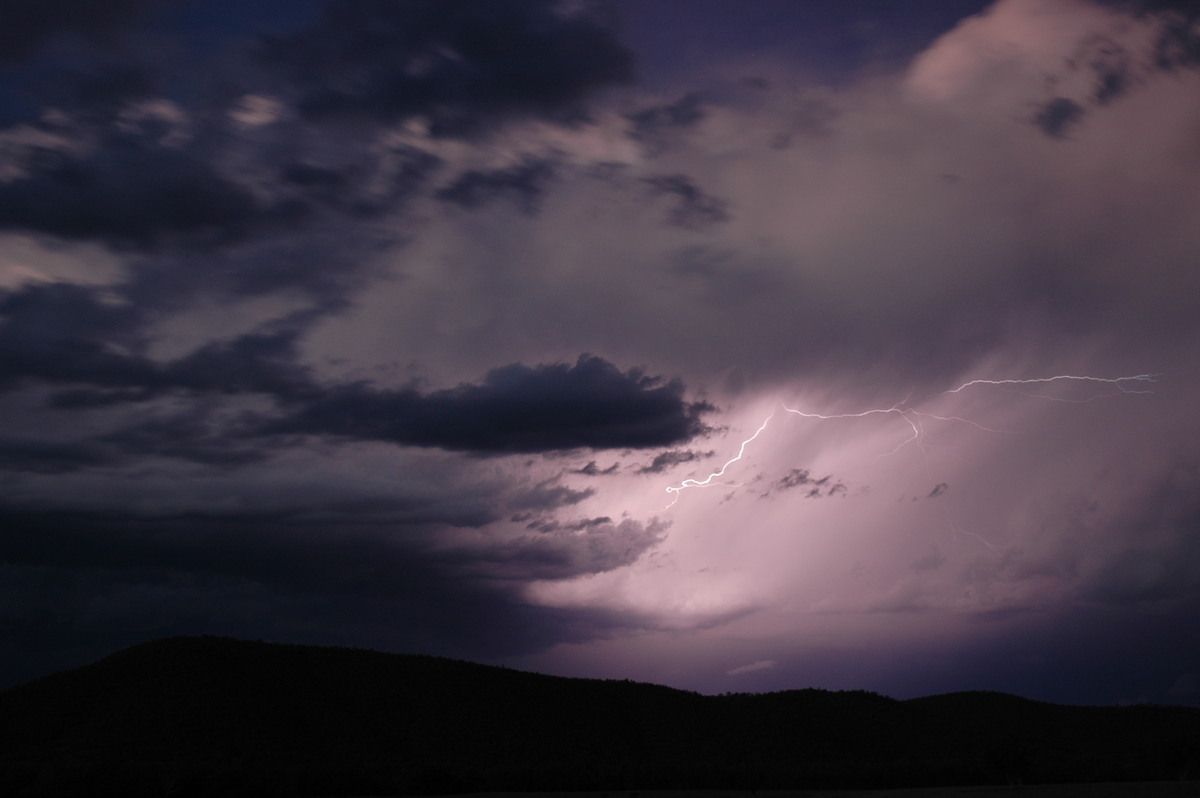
(213, 716)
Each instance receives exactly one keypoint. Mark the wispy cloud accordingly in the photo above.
(760, 665)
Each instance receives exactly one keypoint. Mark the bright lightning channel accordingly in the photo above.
(708, 481)
(1119, 383)
(912, 417)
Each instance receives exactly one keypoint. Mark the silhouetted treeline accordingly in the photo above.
(214, 716)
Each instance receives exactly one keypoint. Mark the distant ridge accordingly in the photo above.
(216, 716)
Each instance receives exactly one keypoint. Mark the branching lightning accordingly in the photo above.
(913, 417)
(708, 481)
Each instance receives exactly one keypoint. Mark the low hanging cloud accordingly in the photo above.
(809, 486)
(593, 469)
(591, 404)
(565, 551)
(190, 573)
(58, 334)
(667, 460)
(133, 194)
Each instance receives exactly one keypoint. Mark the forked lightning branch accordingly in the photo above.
(1135, 384)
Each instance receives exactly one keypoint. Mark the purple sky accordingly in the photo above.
(453, 327)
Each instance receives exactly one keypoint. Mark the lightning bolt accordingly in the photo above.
(1119, 383)
(1123, 385)
(707, 481)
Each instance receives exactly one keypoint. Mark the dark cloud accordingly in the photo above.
(193, 435)
(49, 457)
(106, 87)
(669, 459)
(695, 209)
(274, 548)
(523, 182)
(518, 408)
(549, 494)
(1056, 117)
(272, 575)
(813, 487)
(566, 550)
(594, 470)
(1166, 517)
(1178, 42)
(59, 332)
(260, 362)
(551, 525)
(309, 176)
(69, 334)
(1187, 7)
(938, 490)
(1183, 9)
(135, 195)
(683, 113)
(354, 188)
(155, 178)
(1111, 65)
(460, 64)
(29, 24)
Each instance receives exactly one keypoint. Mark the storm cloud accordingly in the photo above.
(459, 64)
(591, 405)
(31, 24)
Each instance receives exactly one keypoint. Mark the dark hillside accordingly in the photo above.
(212, 716)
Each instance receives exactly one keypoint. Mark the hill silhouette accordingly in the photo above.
(216, 716)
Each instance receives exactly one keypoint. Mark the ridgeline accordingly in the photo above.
(215, 716)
